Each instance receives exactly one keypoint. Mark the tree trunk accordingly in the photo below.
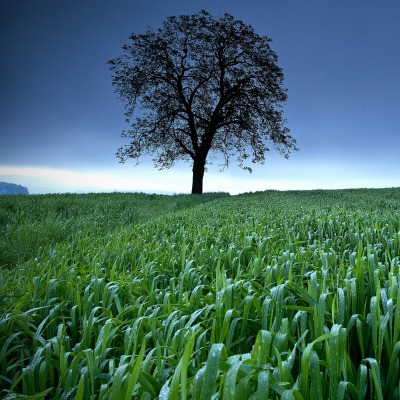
(198, 174)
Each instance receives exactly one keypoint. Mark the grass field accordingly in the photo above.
(258, 296)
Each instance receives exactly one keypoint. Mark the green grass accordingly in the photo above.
(28, 223)
(258, 296)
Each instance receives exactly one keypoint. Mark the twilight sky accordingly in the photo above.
(60, 120)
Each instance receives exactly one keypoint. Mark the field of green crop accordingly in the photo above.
(259, 296)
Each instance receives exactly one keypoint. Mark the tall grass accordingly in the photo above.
(259, 296)
(28, 223)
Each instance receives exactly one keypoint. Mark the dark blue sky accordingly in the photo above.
(60, 120)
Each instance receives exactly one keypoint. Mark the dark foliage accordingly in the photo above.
(205, 85)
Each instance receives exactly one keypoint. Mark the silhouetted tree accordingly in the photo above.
(209, 85)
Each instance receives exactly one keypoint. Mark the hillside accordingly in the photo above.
(12, 188)
(264, 295)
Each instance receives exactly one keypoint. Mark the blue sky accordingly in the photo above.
(60, 120)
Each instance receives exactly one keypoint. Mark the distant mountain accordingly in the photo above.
(12, 188)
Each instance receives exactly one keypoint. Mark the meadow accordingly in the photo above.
(269, 295)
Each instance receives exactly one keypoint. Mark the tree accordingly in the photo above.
(204, 85)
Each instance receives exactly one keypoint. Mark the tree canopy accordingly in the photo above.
(201, 86)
